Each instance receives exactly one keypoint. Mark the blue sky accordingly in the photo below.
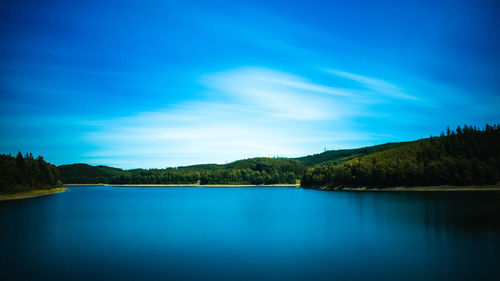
(169, 83)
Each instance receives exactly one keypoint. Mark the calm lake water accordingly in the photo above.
(264, 233)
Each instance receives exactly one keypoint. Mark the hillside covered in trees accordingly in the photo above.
(465, 156)
(334, 157)
(248, 171)
(25, 173)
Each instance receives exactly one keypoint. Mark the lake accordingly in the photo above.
(250, 233)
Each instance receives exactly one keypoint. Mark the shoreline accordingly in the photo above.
(187, 185)
(32, 193)
(416, 188)
(388, 189)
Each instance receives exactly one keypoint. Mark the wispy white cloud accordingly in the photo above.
(377, 85)
(280, 94)
(252, 112)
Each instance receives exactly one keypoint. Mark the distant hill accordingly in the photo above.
(248, 171)
(465, 156)
(84, 173)
(203, 167)
(334, 157)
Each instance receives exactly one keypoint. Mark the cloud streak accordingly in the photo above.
(279, 94)
(376, 85)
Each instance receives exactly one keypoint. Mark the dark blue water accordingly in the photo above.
(196, 233)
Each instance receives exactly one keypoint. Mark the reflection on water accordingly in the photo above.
(456, 213)
(196, 233)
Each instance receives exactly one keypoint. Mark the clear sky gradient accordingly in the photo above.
(170, 83)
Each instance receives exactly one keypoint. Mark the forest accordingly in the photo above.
(464, 156)
(249, 171)
(25, 173)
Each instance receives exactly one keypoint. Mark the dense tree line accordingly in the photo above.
(25, 173)
(465, 156)
(248, 171)
(222, 176)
